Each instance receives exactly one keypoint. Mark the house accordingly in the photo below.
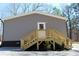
(75, 35)
(18, 26)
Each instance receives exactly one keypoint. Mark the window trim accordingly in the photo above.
(38, 25)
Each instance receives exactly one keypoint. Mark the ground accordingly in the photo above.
(16, 51)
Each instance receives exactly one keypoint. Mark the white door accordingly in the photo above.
(41, 26)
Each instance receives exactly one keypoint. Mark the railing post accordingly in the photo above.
(37, 40)
(53, 37)
(53, 45)
(37, 45)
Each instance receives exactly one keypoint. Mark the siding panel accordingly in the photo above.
(14, 30)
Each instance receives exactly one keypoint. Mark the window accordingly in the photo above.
(41, 26)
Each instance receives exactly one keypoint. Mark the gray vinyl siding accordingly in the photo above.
(16, 28)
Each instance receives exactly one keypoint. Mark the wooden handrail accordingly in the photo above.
(26, 40)
(56, 36)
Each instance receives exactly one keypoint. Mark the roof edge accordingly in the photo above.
(34, 12)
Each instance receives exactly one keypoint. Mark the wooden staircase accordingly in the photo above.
(29, 40)
(59, 38)
(51, 35)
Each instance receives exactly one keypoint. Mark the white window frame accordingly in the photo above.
(38, 25)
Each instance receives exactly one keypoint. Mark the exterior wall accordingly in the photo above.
(75, 37)
(16, 28)
(78, 36)
(0, 37)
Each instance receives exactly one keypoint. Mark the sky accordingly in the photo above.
(4, 7)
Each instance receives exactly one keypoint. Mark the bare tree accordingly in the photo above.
(2, 15)
(13, 8)
(56, 11)
(49, 10)
(67, 12)
(36, 6)
(30, 7)
(25, 7)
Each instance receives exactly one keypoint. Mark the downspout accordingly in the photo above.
(67, 29)
(2, 38)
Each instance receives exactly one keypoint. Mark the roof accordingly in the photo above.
(30, 13)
